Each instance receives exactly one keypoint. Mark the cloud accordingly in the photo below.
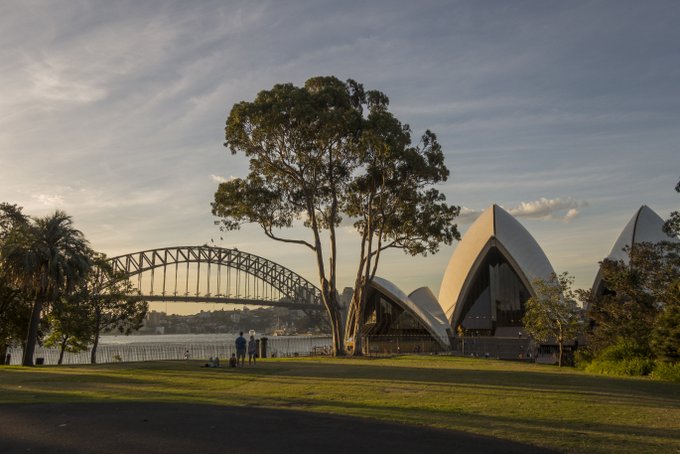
(548, 209)
(218, 179)
(571, 214)
(51, 82)
(543, 209)
(468, 215)
(51, 200)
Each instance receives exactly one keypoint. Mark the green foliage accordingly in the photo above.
(330, 150)
(667, 371)
(624, 357)
(665, 339)
(112, 303)
(637, 293)
(553, 315)
(672, 225)
(71, 327)
(15, 308)
(583, 357)
(46, 259)
(624, 367)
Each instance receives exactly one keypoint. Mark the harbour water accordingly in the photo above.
(113, 349)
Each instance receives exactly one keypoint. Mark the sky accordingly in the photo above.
(567, 114)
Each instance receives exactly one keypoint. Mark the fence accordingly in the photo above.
(391, 343)
(493, 347)
(111, 353)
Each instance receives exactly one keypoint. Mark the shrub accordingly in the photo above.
(582, 358)
(625, 357)
(667, 371)
(629, 367)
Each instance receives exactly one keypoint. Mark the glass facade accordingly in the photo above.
(495, 299)
(383, 316)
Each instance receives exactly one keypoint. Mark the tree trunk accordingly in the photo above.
(3, 352)
(32, 335)
(360, 305)
(97, 330)
(93, 354)
(62, 348)
(338, 334)
(559, 361)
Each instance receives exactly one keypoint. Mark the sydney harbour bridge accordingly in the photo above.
(207, 274)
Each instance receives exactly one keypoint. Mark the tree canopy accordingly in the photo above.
(330, 150)
(640, 301)
(672, 225)
(46, 258)
(553, 314)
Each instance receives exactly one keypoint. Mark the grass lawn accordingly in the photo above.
(567, 409)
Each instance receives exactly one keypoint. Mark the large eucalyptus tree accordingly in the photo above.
(329, 149)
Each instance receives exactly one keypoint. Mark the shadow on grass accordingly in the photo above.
(619, 390)
(553, 432)
(163, 428)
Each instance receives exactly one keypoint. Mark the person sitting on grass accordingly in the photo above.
(232, 360)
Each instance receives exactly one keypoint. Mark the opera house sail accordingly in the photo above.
(394, 322)
(490, 274)
(644, 227)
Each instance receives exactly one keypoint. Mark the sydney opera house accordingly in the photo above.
(484, 289)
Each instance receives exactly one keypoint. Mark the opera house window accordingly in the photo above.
(496, 297)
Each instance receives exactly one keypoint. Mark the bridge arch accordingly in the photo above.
(279, 285)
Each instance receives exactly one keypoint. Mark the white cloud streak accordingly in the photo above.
(543, 209)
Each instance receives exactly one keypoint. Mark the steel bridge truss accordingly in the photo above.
(218, 275)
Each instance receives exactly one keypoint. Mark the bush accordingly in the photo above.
(667, 371)
(629, 367)
(582, 358)
(625, 357)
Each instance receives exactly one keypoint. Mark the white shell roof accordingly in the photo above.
(422, 304)
(644, 227)
(493, 224)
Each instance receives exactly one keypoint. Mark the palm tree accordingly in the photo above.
(47, 258)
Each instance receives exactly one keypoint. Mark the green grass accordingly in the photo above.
(566, 409)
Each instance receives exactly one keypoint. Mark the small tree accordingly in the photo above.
(70, 325)
(553, 315)
(113, 306)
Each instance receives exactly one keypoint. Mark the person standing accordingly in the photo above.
(241, 349)
(252, 350)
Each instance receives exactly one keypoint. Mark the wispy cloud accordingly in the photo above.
(548, 209)
(49, 200)
(219, 179)
(544, 209)
(468, 215)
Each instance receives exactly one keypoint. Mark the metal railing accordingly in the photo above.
(111, 353)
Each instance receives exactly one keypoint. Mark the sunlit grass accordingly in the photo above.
(564, 409)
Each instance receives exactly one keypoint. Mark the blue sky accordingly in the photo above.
(565, 113)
